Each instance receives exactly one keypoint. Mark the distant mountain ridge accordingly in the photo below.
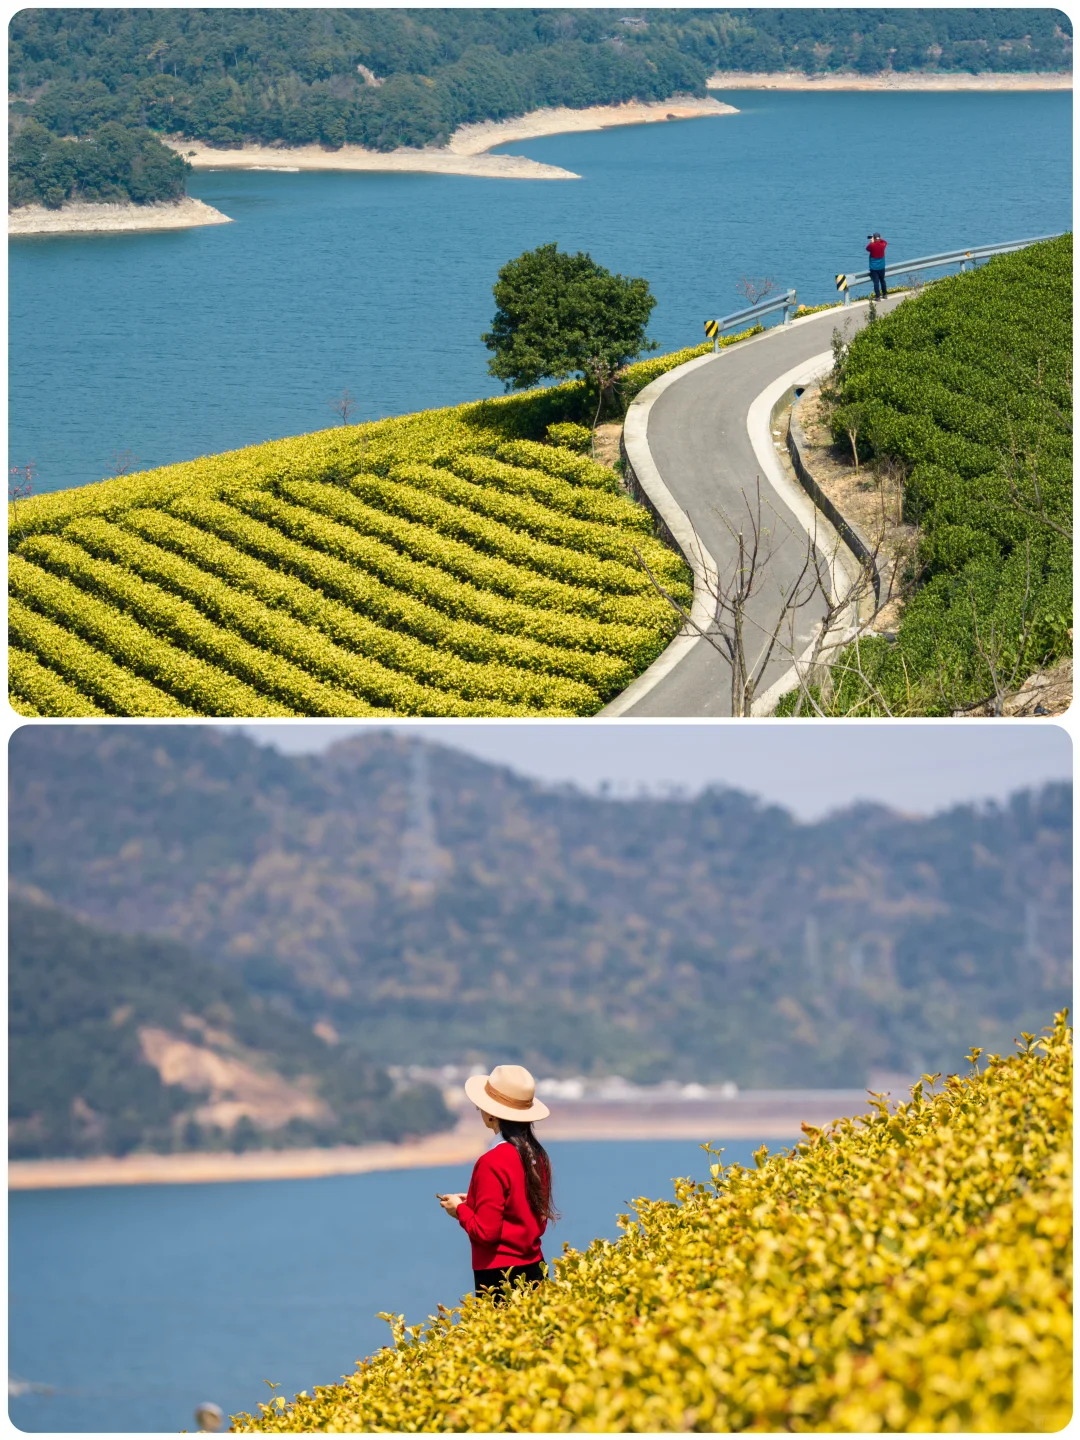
(434, 909)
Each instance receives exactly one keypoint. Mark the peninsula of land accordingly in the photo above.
(79, 218)
(890, 80)
(468, 150)
(466, 153)
(760, 1115)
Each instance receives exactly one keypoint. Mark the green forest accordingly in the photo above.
(387, 78)
(706, 939)
(79, 998)
(112, 164)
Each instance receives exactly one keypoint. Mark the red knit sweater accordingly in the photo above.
(496, 1215)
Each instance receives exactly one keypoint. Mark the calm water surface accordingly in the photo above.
(178, 344)
(132, 1305)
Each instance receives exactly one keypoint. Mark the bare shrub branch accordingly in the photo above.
(344, 405)
(748, 644)
(755, 288)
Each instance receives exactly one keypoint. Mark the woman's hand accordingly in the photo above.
(450, 1203)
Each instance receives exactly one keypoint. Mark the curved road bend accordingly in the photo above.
(697, 433)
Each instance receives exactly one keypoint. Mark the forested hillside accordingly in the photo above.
(132, 1042)
(434, 909)
(384, 77)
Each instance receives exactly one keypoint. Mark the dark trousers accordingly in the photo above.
(489, 1282)
(880, 287)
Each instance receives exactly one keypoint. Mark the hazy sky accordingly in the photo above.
(808, 768)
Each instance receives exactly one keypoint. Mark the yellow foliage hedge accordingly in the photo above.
(444, 563)
(903, 1272)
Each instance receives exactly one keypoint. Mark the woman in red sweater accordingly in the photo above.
(509, 1201)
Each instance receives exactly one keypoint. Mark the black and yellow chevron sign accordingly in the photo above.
(841, 282)
(712, 328)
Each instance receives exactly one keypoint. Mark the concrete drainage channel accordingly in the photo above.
(786, 418)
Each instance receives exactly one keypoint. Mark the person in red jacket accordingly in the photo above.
(509, 1200)
(876, 251)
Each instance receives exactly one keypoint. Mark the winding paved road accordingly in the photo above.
(699, 441)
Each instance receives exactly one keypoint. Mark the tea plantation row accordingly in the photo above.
(904, 1272)
(969, 390)
(441, 564)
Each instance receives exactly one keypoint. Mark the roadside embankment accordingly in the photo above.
(869, 501)
(467, 150)
(756, 1115)
(888, 80)
(87, 218)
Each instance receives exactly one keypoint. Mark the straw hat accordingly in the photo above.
(509, 1092)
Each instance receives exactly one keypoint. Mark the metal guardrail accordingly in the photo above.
(963, 258)
(785, 302)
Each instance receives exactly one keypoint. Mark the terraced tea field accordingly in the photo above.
(899, 1271)
(967, 395)
(427, 565)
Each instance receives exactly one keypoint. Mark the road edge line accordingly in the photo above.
(635, 440)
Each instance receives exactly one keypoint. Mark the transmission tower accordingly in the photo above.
(812, 950)
(418, 865)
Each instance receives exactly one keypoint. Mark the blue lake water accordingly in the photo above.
(184, 343)
(132, 1305)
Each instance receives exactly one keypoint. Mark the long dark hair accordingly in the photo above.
(536, 1163)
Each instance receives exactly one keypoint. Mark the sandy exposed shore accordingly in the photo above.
(466, 153)
(887, 80)
(89, 219)
(559, 120)
(453, 1148)
(764, 1115)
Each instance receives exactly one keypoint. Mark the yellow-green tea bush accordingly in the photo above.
(906, 1271)
(446, 563)
(570, 436)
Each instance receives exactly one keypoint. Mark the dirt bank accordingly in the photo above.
(870, 497)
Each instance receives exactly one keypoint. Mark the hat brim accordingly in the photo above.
(474, 1089)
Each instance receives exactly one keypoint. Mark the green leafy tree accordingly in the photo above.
(560, 315)
(113, 164)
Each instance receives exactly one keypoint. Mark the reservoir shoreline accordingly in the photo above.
(890, 80)
(466, 154)
(94, 219)
(467, 150)
(753, 1115)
